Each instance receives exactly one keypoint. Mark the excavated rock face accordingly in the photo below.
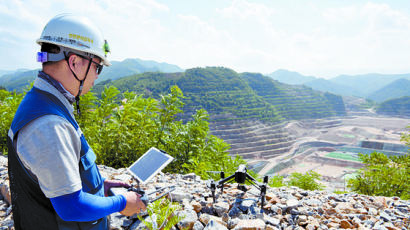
(284, 208)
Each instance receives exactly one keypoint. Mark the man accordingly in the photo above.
(55, 183)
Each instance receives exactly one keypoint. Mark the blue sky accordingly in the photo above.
(323, 38)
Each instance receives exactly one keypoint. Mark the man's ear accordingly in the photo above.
(74, 61)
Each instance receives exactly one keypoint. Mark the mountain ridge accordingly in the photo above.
(245, 95)
(346, 85)
(397, 89)
(18, 79)
(397, 106)
(131, 66)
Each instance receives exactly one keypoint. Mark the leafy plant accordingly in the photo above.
(162, 215)
(276, 181)
(306, 181)
(9, 102)
(383, 176)
(120, 131)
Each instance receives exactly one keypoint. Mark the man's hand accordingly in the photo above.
(134, 204)
(112, 184)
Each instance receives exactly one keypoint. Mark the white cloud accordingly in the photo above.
(378, 35)
(123, 22)
(257, 36)
(244, 10)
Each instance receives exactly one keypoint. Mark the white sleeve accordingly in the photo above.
(50, 148)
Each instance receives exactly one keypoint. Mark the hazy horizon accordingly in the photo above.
(338, 75)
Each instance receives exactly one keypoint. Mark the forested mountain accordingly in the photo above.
(3, 72)
(396, 89)
(295, 102)
(245, 96)
(397, 106)
(17, 80)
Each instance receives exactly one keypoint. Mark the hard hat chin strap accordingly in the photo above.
(77, 98)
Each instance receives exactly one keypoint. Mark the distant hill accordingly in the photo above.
(291, 78)
(366, 84)
(134, 66)
(396, 89)
(332, 87)
(397, 106)
(17, 80)
(245, 96)
(3, 72)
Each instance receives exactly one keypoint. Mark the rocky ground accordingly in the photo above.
(285, 208)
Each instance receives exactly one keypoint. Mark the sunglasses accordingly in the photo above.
(99, 67)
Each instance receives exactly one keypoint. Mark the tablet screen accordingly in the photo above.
(149, 164)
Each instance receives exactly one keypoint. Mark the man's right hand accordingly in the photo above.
(134, 204)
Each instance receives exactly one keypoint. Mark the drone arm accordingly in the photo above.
(255, 184)
(223, 181)
(249, 177)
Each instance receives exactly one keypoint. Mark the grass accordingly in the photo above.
(348, 135)
(342, 156)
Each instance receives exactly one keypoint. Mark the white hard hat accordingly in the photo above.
(77, 33)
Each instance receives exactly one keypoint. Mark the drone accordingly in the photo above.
(240, 176)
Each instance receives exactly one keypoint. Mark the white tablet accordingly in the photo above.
(149, 164)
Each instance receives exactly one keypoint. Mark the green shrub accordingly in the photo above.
(306, 181)
(383, 176)
(276, 181)
(9, 102)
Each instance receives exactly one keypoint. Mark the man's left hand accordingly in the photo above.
(112, 184)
